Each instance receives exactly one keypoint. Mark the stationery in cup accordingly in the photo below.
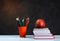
(22, 26)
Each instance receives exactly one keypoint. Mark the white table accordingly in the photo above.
(17, 38)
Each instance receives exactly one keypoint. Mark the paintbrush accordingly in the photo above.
(18, 21)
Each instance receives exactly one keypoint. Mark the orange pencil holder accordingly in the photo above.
(22, 31)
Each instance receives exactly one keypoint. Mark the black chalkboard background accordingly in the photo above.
(49, 10)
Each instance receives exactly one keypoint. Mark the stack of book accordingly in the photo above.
(43, 33)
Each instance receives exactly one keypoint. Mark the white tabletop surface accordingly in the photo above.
(17, 38)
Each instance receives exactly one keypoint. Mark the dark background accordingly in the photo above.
(49, 10)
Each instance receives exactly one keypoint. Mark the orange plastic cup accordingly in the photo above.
(22, 31)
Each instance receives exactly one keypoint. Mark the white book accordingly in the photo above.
(41, 31)
(43, 34)
(44, 37)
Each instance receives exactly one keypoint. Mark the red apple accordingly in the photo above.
(40, 23)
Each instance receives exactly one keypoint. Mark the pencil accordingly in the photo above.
(27, 21)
